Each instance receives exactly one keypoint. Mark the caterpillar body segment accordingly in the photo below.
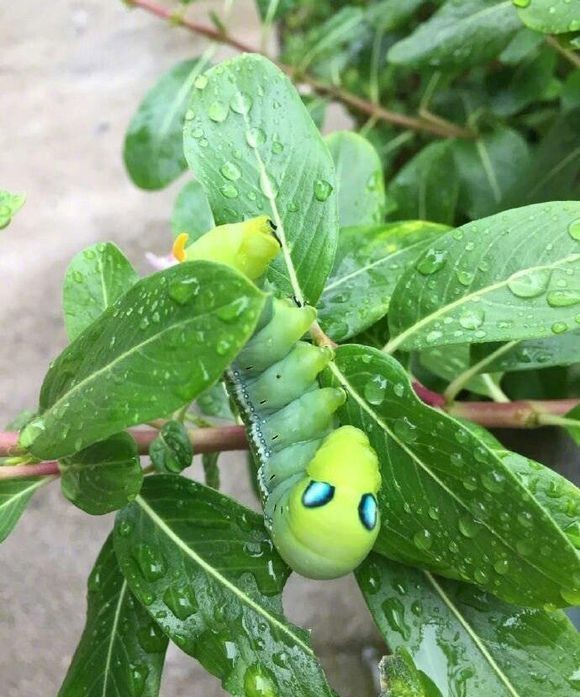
(318, 483)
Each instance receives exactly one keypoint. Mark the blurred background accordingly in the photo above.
(71, 75)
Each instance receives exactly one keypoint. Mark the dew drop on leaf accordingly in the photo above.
(574, 229)
(241, 103)
(501, 566)
(431, 261)
(563, 298)
(181, 601)
(572, 531)
(322, 190)
(258, 683)
(529, 284)
(229, 191)
(151, 639)
(521, 3)
(137, 678)
(230, 171)
(395, 615)
(150, 563)
(423, 540)
(559, 327)
(468, 527)
(374, 390)
(255, 136)
(405, 430)
(472, 318)
(183, 291)
(200, 82)
(218, 111)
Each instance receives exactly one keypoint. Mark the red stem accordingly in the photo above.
(204, 440)
(40, 469)
(519, 414)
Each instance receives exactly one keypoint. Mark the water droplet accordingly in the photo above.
(481, 576)
(559, 327)
(150, 562)
(501, 566)
(200, 82)
(493, 481)
(181, 601)
(524, 547)
(229, 191)
(183, 291)
(230, 171)
(395, 615)
(399, 389)
(258, 683)
(572, 531)
(277, 147)
(468, 527)
(322, 190)
(574, 230)
(521, 3)
(233, 310)
(151, 639)
(137, 678)
(374, 390)
(563, 298)
(471, 318)
(529, 284)
(464, 277)
(423, 539)
(255, 137)
(433, 336)
(218, 111)
(241, 103)
(571, 596)
(431, 261)
(405, 430)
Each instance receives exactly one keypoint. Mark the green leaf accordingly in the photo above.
(14, 497)
(10, 204)
(153, 149)
(448, 502)
(255, 149)
(359, 178)
(465, 640)
(427, 187)
(155, 349)
(528, 355)
(103, 477)
(510, 276)
(369, 261)
(447, 362)
(399, 676)
(570, 95)
(511, 90)
(550, 16)
(524, 42)
(191, 213)
(171, 452)
(488, 167)
(206, 570)
(121, 651)
(554, 171)
(459, 35)
(94, 279)
(275, 9)
(574, 432)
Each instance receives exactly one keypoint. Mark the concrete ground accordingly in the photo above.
(71, 74)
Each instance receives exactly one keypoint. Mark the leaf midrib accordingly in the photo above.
(472, 635)
(116, 619)
(213, 572)
(122, 356)
(10, 500)
(442, 311)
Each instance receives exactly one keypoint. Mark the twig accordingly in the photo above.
(520, 414)
(320, 338)
(441, 128)
(204, 440)
(40, 469)
(570, 56)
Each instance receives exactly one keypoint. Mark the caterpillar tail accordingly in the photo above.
(318, 483)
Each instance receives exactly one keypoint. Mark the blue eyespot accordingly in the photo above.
(367, 511)
(317, 494)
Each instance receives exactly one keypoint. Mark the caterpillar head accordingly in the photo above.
(249, 246)
(329, 520)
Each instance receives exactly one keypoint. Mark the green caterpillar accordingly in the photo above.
(318, 483)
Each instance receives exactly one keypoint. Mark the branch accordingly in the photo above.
(521, 414)
(40, 469)
(441, 128)
(204, 440)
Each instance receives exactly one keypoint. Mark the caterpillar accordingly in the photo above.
(318, 483)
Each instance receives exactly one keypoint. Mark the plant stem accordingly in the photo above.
(570, 56)
(204, 440)
(441, 128)
(40, 469)
(520, 414)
